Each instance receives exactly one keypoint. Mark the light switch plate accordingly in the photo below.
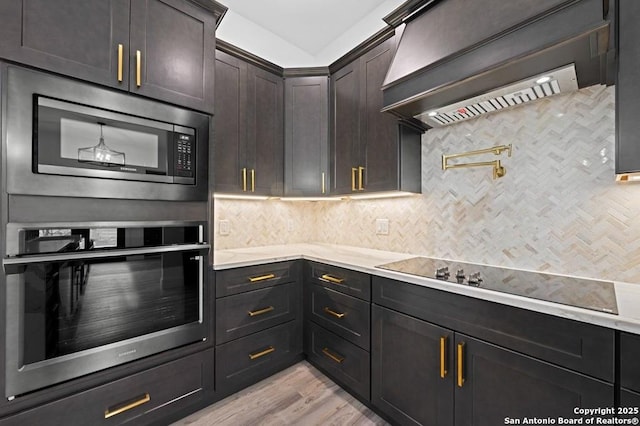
(224, 227)
(382, 226)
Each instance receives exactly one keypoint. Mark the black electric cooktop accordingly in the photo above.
(584, 293)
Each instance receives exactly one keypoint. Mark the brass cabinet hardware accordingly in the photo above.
(460, 364)
(353, 178)
(443, 357)
(244, 179)
(138, 68)
(261, 278)
(360, 178)
(253, 180)
(334, 357)
(262, 353)
(261, 311)
(323, 184)
(120, 58)
(334, 313)
(332, 279)
(115, 410)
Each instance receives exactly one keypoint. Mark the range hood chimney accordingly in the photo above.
(457, 56)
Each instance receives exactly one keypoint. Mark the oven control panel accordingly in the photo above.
(185, 150)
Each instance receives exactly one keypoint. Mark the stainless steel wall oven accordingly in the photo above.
(82, 297)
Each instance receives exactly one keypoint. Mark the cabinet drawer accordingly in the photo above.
(346, 316)
(345, 362)
(354, 283)
(153, 393)
(240, 280)
(582, 347)
(629, 368)
(247, 360)
(247, 313)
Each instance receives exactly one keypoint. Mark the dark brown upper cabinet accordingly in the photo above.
(306, 150)
(248, 148)
(370, 150)
(162, 49)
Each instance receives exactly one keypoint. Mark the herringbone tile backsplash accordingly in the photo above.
(558, 208)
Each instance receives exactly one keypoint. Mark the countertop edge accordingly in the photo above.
(322, 253)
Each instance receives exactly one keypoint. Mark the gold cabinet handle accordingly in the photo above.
(332, 279)
(244, 179)
(333, 357)
(353, 178)
(120, 59)
(360, 184)
(460, 364)
(262, 353)
(443, 357)
(261, 278)
(138, 68)
(253, 180)
(323, 183)
(334, 313)
(261, 311)
(121, 408)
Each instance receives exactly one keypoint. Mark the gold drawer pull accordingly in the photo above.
(332, 279)
(334, 313)
(261, 311)
(119, 408)
(261, 278)
(460, 364)
(262, 353)
(360, 184)
(443, 357)
(244, 179)
(336, 358)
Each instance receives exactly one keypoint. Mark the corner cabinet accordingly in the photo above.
(249, 130)
(443, 359)
(371, 151)
(162, 49)
(306, 142)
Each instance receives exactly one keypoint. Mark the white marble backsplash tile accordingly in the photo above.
(558, 208)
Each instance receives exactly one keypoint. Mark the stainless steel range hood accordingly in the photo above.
(455, 53)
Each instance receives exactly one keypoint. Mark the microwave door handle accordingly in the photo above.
(18, 261)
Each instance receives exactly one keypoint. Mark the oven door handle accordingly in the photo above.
(13, 265)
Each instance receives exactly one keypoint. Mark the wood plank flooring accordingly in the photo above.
(299, 395)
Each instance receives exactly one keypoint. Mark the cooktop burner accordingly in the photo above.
(584, 293)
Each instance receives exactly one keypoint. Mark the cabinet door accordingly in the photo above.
(306, 150)
(496, 383)
(176, 42)
(345, 127)
(378, 130)
(78, 38)
(265, 132)
(230, 118)
(629, 368)
(407, 369)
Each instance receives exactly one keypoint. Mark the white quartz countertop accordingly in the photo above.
(366, 260)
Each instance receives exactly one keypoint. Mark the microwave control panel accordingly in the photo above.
(185, 150)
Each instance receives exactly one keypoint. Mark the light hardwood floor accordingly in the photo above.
(299, 395)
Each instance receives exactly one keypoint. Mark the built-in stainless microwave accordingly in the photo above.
(68, 138)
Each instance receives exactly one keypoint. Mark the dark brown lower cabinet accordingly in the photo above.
(629, 401)
(407, 382)
(153, 396)
(423, 374)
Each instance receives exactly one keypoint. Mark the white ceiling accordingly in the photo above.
(300, 33)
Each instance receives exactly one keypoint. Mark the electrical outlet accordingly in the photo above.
(290, 226)
(382, 226)
(224, 227)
